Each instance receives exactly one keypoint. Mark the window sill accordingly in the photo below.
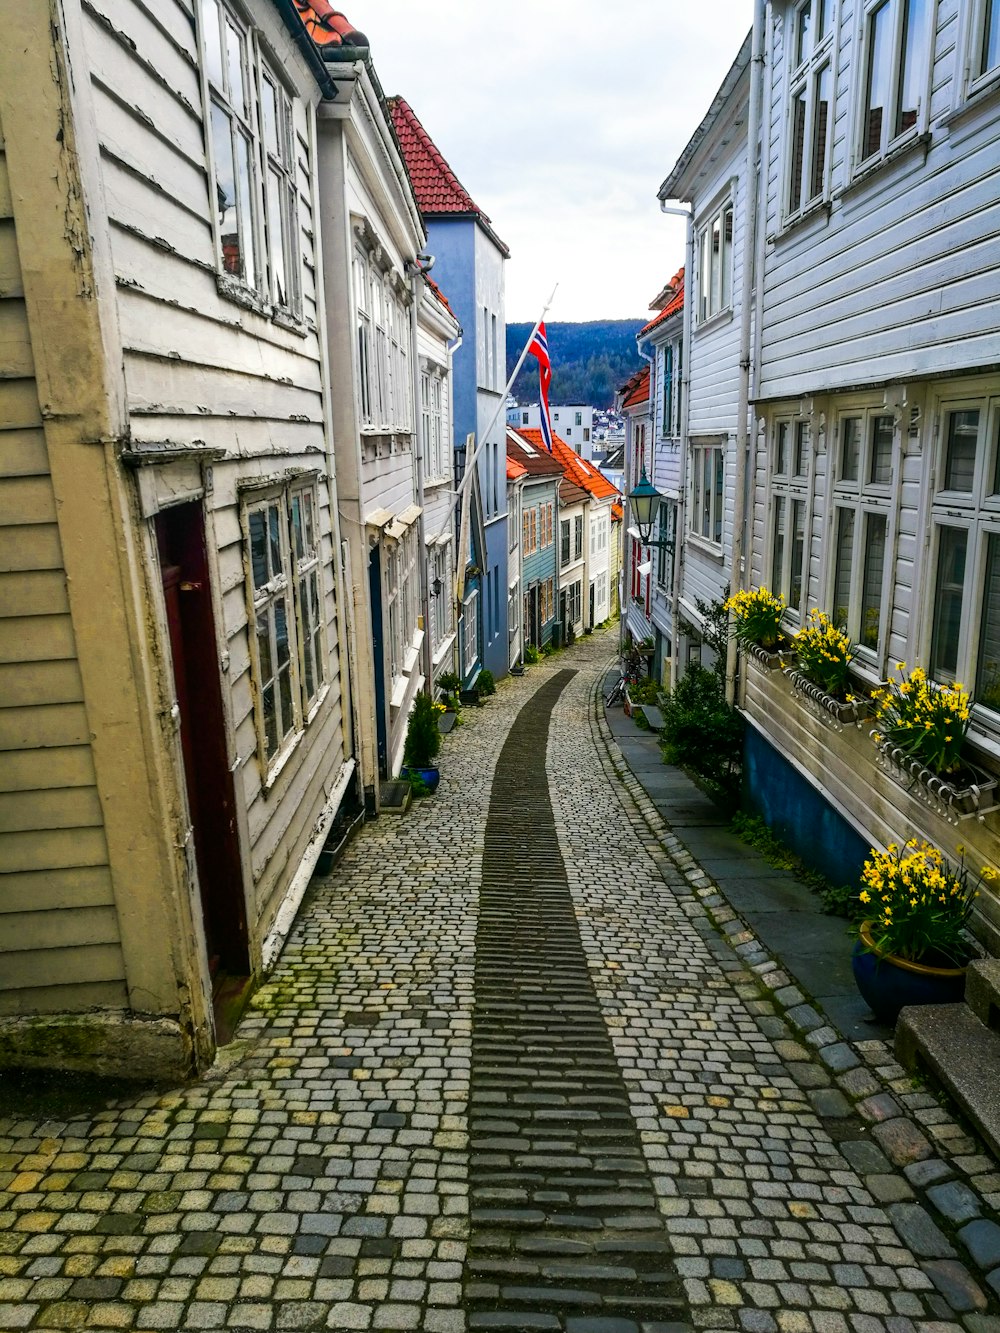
(432, 483)
(233, 289)
(821, 208)
(984, 97)
(897, 152)
(715, 321)
(712, 549)
(447, 644)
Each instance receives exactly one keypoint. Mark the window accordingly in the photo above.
(707, 491)
(667, 532)
(667, 377)
(578, 537)
(286, 612)
(790, 452)
(811, 93)
(985, 39)
(965, 630)
(715, 264)
(863, 459)
(524, 418)
(564, 541)
(578, 419)
(470, 631)
(383, 347)
(896, 37)
(586, 434)
(254, 156)
(442, 610)
(432, 400)
(495, 382)
(401, 596)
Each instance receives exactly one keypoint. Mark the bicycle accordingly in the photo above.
(631, 669)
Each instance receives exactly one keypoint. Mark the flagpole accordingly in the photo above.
(502, 407)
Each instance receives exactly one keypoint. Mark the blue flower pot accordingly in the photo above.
(429, 776)
(887, 984)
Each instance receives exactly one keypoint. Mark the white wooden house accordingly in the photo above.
(877, 483)
(573, 517)
(175, 706)
(636, 592)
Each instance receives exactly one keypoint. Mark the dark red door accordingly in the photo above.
(211, 794)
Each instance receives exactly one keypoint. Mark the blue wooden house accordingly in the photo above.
(539, 528)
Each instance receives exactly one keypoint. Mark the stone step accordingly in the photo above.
(982, 990)
(948, 1042)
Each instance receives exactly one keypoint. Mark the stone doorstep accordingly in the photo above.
(653, 715)
(961, 1053)
(982, 991)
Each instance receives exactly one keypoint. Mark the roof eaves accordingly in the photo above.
(671, 187)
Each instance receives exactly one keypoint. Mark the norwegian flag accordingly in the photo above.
(539, 347)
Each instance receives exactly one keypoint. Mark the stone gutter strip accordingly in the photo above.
(948, 1175)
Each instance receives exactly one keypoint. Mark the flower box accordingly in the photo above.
(770, 661)
(962, 798)
(827, 706)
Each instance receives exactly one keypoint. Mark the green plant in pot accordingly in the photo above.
(450, 684)
(423, 741)
(913, 947)
(824, 655)
(757, 619)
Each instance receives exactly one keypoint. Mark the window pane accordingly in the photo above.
(798, 552)
(727, 258)
(801, 448)
(277, 238)
(802, 36)
(880, 471)
(296, 519)
(274, 531)
(258, 547)
(871, 592)
(879, 56)
(995, 484)
(798, 149)
(210, 28)
(706, 493)
(269, 107)
(842, 572)
(225, 190)
(719, 488)
(821, 116)
(911, 73)
(714, 286)
(263, 618)
(850, 448)
(270, 721)
(988, 670)
(952, 545)
(960, 459)
(246, 209)
(990, 57)
(778, 546)
(237, 76)
(781, 450)
(824, 17)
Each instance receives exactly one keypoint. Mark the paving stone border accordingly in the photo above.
(949, 1204)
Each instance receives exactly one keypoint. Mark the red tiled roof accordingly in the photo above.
(438, 190)
(439, 294)
(328, 26)
(528, 448)
(581, 471)
(617, 512)
(635, 391)
(675, 303)
(514, 468)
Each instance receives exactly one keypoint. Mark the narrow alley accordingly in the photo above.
(513, 1070)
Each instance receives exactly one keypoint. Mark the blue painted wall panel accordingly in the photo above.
(799, 814)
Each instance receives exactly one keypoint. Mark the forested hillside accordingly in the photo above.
(589, 361)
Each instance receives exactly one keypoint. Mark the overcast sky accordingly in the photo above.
(562, 118)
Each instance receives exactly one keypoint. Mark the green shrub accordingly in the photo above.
(702, 732)
(644, 692)
(423, 738)
(485, 684)
(531, 653)
(449, 682)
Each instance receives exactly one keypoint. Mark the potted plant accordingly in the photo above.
(913, 947)
(920, 729)
(485, 685)
(756, 624)
(823, 669)
(450, 684)
(423, 741)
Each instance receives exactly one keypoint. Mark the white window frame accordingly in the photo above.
(715, 279)
(976, 512)
(470, 631)
(293, 575)
(565, 543)
(811, 47)
(433, 409)
(666, 555)
(442, 608)
(891, 135)
(706, 511)
(791, 452)
(381, 347)
(858, 491)
(270, 266)
(983, 23)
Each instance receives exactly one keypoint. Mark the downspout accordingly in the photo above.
(422, 265)
(679, 545)
(736, 570)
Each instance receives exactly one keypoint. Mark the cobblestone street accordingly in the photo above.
(518, 1067)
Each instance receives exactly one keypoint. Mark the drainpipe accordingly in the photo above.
(422, 265)
(679, 546)
(737, 572)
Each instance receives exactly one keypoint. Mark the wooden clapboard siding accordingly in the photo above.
(56, 908)
(68, 997)
(921, 293)
(201, 368)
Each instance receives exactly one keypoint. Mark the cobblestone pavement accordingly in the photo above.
(322, 1175)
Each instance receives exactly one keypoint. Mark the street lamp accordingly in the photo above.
(644, 502)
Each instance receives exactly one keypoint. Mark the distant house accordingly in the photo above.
(574, 423)
(516, 474)
(539, 549)
(600, 494)
(637, 560)
(469, 265)
(573, 516)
